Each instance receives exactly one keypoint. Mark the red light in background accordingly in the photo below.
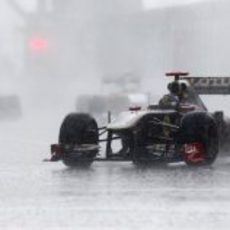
(38, 43)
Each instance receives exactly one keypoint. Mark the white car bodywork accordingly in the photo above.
(129, 119)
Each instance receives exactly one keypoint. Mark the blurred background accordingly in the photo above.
(51, 50)
(58, 56)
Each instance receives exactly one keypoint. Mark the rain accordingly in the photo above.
(55, 53)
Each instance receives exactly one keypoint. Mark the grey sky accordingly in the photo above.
(162, 3)
(30, 4)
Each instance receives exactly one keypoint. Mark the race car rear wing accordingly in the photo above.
(210, 85)
(205, 85)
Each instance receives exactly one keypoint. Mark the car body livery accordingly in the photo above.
(185, 132)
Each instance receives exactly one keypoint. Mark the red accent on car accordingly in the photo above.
(193, 152)
(135, 108)
(184, 108)
(56, 149)
(177, 73)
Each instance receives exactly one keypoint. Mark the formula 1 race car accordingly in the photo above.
(180, 131)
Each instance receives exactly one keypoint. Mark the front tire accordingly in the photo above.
(78, 129)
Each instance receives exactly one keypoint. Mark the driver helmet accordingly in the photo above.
(174, 87)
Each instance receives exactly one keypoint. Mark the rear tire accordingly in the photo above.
(77, 129)
(200, 127)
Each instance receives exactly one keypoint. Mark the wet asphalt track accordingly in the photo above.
(39, 195)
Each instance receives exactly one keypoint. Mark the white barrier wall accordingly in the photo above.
(193, 37)
(201, 38)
